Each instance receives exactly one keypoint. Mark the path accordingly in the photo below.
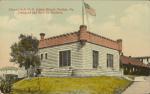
(140, 86)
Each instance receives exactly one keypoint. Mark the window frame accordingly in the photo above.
(110, 61)
(62, 58)
(46, 55)
(41, 56)
(95, 63)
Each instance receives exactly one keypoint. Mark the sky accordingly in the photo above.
(128, 20)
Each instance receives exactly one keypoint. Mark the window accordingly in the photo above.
(41, 56)
(45, 55)
(65, 58)
(95, 59)
(110, 60)
(141, 60)
(147, 60)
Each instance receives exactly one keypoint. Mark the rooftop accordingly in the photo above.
(132, 61)
(142, 57)
(81, 35)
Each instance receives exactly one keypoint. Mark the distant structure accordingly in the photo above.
(80, 53)
(18, 72)
(134, 66)
(144, 59)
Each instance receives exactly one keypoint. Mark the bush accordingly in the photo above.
(5, 86)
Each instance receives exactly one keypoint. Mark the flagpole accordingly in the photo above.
(83, 12)
(87, 21)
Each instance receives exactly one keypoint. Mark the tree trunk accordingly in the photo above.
(28, 74)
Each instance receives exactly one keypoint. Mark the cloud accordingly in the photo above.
(135, 16)
(20, 21)
(112, 17)
(109, 29)
(77, 19)
(110, 26)
(136, 26)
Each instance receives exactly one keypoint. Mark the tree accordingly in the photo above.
(25, 52)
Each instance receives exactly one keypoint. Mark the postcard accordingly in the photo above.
(75, 47)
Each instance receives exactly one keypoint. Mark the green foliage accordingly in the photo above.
(7, 82)
(90, 85)
(5, 86)
(24, 52)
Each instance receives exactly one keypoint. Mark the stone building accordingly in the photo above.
(80, 53)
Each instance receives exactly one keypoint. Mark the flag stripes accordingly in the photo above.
(89, 9)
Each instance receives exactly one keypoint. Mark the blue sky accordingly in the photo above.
(128, 20)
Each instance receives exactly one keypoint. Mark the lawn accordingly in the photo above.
(89, 85)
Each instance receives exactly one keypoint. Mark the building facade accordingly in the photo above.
(80, 53)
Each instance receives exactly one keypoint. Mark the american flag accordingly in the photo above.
(89, 9)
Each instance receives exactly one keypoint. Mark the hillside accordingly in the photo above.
(89, 85)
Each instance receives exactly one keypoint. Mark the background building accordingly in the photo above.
(144, 59)
(18, 72)
(133, 66)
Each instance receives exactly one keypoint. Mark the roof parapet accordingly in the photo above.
(119, 41)
(42, 35)
(83, 33)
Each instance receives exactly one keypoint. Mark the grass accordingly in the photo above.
(89, 85)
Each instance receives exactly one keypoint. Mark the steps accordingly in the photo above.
(56, 72)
